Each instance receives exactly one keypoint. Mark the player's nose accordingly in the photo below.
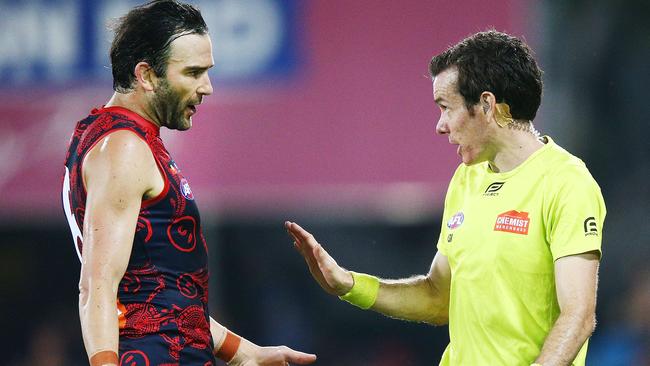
(206, 85)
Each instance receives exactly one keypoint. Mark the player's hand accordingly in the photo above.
(252, 355)
(330, 276)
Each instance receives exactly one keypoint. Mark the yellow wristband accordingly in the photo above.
(364, 291)
(536, 364)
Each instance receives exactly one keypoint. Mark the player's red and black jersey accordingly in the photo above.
(163, 297)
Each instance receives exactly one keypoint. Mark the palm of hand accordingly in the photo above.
(328, 273)
(330, 276)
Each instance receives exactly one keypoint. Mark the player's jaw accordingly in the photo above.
(190, 108)
(183, 120)
(171, 110)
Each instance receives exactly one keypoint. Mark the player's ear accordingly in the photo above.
(145, 76)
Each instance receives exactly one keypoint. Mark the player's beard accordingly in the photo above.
(169, 109)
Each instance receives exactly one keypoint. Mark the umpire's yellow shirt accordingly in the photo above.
(502, 233)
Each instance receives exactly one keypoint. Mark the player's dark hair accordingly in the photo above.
(145, 34)
(495, 62)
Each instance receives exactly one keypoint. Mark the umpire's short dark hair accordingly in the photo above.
(145, 34)
(495, 62)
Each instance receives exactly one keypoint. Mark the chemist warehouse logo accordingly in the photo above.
(513, 222)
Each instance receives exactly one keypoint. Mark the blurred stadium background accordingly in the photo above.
(322, 114)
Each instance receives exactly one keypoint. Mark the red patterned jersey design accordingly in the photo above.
(163, 294)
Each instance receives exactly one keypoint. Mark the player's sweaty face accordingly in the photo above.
(186, 81)
(462, 129)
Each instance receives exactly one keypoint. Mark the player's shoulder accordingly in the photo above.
(124, 141)
(120, 146)
(121, 157)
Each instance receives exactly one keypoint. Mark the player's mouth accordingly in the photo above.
(191, 108)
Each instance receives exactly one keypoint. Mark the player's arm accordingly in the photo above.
(236, 350)
(576, 280)
(117, 174)
(419, 298)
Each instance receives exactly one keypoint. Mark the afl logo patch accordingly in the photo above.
(186, 190)
(456, 220)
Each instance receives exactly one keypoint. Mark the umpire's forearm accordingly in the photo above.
(570, 332)
(412, 299)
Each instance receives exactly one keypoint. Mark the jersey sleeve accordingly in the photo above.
(576, 214)
(443, 243)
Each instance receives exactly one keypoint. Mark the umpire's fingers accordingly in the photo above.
(303, 235)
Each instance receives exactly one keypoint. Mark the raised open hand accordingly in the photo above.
(330, 276)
